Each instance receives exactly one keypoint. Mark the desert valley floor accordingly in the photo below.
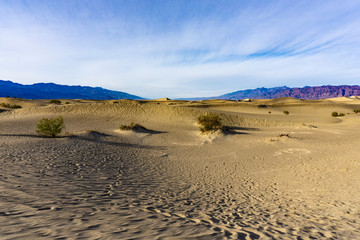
(274, 176)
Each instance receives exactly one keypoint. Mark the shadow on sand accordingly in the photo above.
(234, 130)
(92, 136)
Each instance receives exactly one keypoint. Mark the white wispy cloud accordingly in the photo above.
(184, 52)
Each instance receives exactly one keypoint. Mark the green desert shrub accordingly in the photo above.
(336, 114)
(286, 112)
(55, 101)
(50, 127)
(210, 123)
(15, 106)
(356, 110)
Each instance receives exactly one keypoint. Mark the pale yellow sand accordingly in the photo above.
(98, 182)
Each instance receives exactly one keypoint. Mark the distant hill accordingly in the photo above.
(303, 93)
(55, 91)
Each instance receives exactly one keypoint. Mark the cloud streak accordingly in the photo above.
(182, 49)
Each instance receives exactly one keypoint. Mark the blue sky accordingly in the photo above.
(180, 48)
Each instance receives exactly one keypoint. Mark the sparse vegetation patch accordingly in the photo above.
(356, 110)
(50, 127)
(286, 112)
(210, 123)
(284, 135)
(133, 126)
(15, 106)
(336, 114)
(55, 101)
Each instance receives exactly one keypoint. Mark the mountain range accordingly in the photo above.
(302, 93)
(55, 91)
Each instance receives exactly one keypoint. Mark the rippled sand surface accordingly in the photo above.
(273, 177)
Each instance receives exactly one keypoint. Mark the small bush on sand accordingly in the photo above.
(210, 123)
(127, 127)
(336, 114)
(284, 135)
(356, 110)
(286, 112)
(55, 101)
(50, 127)
(262, 106)
(10, 106)
(132, 126)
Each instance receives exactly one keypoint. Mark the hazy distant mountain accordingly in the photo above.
(303, 93)
(55, 91)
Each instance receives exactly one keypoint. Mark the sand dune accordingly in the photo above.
(275, 176)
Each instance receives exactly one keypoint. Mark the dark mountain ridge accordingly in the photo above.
(307, 92)
(54, 91)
